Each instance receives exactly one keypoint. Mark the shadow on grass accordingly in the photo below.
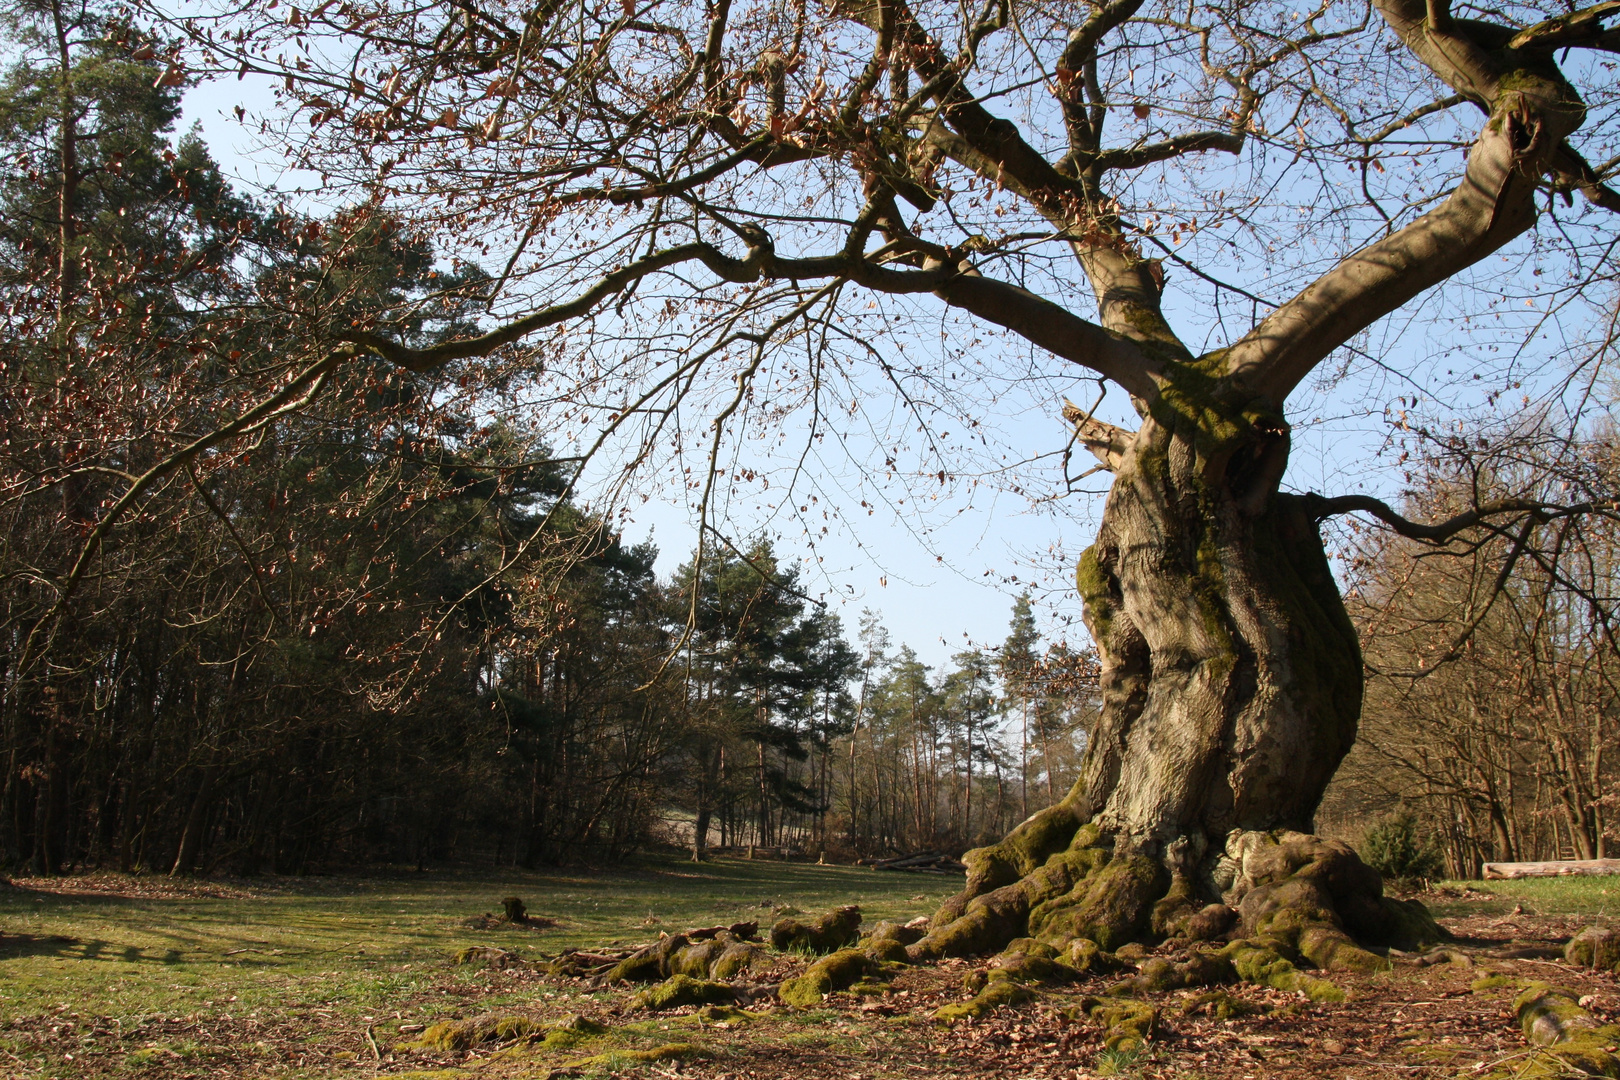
(16, 946)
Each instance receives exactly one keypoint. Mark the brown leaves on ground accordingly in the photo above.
(134, 887)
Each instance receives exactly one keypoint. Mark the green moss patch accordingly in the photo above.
(998, 993)
(618, 1059)
(839, 971)
(681, 990)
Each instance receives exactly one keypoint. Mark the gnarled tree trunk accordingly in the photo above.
(1232, 687)
(1231, 672)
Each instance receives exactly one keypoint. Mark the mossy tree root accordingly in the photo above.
(1572, 1040)
(1595, 947)
(837, 971)
(833, 930)
(455, 1036)
(722, 957)
(1298, 898)
(681, 990)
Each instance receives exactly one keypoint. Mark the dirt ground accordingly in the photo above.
(1448, 1019)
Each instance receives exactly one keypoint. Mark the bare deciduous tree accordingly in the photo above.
(693, 208)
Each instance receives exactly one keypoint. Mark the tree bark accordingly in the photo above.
(1231, 673)
(1231, 679)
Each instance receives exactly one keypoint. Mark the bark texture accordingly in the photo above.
(1231, 672)
(1232, 687)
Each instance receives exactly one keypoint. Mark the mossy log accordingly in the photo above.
(833, 930)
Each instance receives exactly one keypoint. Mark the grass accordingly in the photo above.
(312, 977)
(345, 956)
(1542, 896)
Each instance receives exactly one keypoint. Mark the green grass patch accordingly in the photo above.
(143, 979)
(1541, 896)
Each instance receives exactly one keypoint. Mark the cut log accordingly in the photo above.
(1500, 871)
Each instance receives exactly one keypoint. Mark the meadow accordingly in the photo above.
(104, 975)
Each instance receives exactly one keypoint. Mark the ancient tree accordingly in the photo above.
(685, 209)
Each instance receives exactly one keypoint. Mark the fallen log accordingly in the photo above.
(926, 862)
(1501, 871)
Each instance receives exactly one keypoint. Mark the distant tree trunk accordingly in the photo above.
(186, 858)
(967, 800)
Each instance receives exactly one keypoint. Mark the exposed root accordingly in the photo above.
(1262, 964)
(905, 933)
(1571, 1037)
(1308, 892)
(996, 993)
(459, 1035)
(729, 1015)
(1089, 958)
(1297, 900)
(619, 1058)
(1205, 967)
(1595, 947)
(1450, 957)
(721, 956)
(487, 956)
(834, 930)
(680, 990)
(1028, 960)
(1220, 1005)
(1126, 1022)
(1080, 890)
(839, 971)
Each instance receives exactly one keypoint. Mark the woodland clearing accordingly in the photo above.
(106, 975)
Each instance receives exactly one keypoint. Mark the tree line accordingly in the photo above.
(1493, 708)
(261, 614)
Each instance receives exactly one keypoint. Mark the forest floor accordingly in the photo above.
(139, 977)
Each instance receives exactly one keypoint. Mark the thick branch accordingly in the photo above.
(1036, 319)
(1584, 27)
(1320, 507)
(1055, 329)
(1494, 203)
(1137, 157)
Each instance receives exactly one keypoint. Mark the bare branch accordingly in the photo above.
(1320, 507)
